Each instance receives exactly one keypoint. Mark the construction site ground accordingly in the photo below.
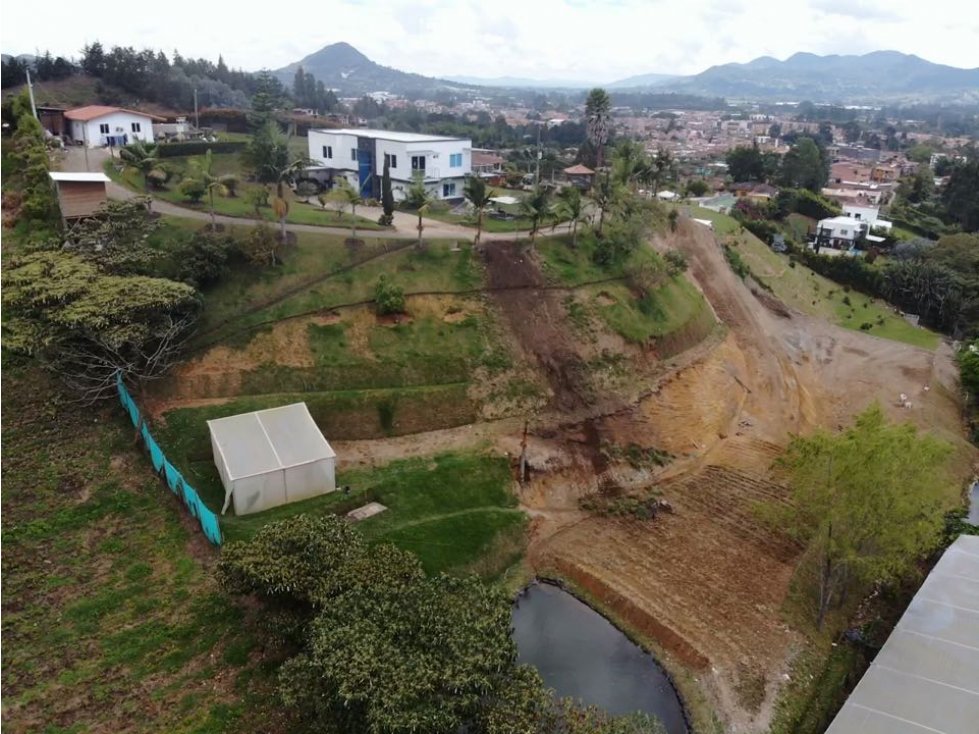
(705, 583)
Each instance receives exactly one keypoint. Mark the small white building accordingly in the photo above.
(359, 156)
(271, 457)
(97, 126)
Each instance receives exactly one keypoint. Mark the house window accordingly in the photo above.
(455, 160)
(104, 128)
(390, 160)
(353, 154)
(448, 189)
(135, 127)
(417, 163)
(327, 151)
(843, 233)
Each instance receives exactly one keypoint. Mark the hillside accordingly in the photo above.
(342, 67)
(644, 80)
(881, 76)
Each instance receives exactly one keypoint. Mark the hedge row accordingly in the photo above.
(172, 150)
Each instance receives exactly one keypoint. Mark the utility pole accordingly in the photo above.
(30, 92)
(537, 170)
(197, 117)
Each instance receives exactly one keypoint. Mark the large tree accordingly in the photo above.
(805, 166)
(961, 194)
(868, 502)
(26, 171)
(87, 325)
(598, 121)
(744, 163)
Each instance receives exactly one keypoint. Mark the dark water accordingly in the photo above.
(580, 654)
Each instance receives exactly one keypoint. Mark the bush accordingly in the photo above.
(697, 187)
(175, 150)
(386, 220)
(739, 266)
(203, 260)
(676, 262)
(388, 297)
(192, 189)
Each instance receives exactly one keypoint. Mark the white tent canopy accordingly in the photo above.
(505, 200)
(666, 195)
(271, 457)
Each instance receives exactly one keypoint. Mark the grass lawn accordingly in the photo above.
(811, 293)
(449, 510)
(436, 268)
(112, 620)
(637, 319)
(300, 212)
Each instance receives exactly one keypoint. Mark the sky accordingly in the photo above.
(582, 40)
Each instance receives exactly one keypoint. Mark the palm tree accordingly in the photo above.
(629, 161)
(347, 195)
(571, 206)
(606, 195)
(598, 115)
(478, 194)
(536, 208)
(280, 205)
(141, 157)
(202, 171)
(417, 197)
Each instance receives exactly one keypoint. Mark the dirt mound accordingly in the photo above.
(539, 322)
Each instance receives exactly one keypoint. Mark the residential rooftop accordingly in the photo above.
(396, 136)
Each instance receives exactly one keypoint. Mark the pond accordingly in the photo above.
(581, 654)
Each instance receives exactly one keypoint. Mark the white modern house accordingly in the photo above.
(97, 126)
(868, 214)
(841, 233)
(271, 457)
(359, 155)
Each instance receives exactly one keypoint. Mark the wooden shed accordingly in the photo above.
(79, 194)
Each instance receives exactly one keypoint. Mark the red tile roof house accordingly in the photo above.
(97, 126)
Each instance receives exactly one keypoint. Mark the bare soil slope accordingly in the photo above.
(708, 580)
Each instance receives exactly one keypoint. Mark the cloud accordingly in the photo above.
(583, 39)
(858, 9)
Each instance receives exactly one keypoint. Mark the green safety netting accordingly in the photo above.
(175, 481)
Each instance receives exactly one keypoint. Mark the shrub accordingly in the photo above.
(866, 326)
(739, 266)
(175, 150)
(192, 189)
(697, 187)
(386, 220)
(388, 297)
(230, 183)
(204, 258)
(676, 262)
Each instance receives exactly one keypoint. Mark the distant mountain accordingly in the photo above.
(523, 82)
(643, 80)
(341, 66)
(881, 76)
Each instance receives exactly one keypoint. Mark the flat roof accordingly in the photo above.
(268, 440)
(394, 135)
(926, 677)
(79, 177)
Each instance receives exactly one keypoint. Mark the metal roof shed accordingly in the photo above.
(926, 676)
(271, 457)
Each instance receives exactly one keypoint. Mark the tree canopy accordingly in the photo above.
(805, 166)
(867, 500)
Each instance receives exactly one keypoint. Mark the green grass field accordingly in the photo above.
(112, 620)
(300, 211)
(801, 288)
(637, 319)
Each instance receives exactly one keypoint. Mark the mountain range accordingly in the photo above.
(881, 76)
